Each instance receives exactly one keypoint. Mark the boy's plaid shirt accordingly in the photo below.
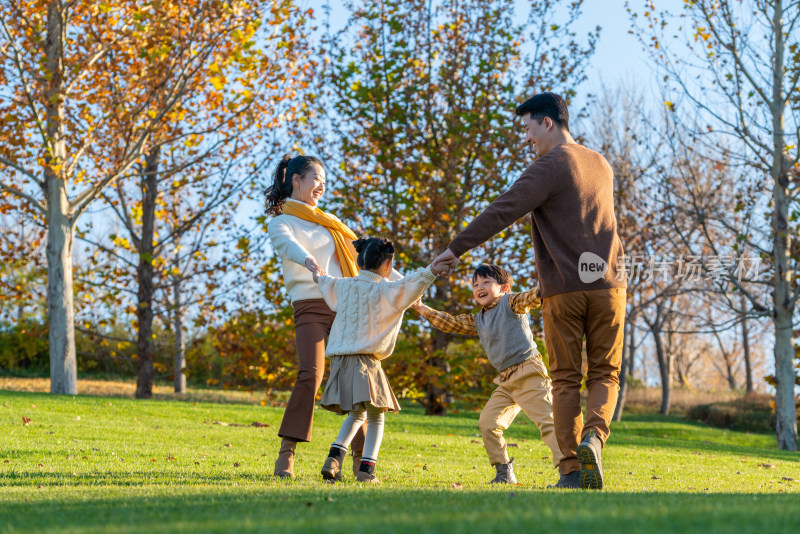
(465, 322)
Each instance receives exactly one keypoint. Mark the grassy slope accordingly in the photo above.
(90, 464)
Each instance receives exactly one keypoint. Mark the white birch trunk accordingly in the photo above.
(180, 349)
(785, 409)
(63, 364)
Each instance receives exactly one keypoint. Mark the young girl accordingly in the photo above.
(369, 311)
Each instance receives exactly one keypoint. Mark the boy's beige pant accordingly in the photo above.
(522, 387)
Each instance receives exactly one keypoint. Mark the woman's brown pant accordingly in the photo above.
(312, 324)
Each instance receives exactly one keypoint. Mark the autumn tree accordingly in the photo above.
(87, 88)
(631, 145)
(21, 264)
(177, 214)
(424, 94)
(735, 71)
(254, 347)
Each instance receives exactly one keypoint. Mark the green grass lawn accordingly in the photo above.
(92, 464)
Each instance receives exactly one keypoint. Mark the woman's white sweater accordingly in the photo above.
(369, 310)
(297, 240)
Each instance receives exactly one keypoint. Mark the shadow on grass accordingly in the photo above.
(641, 430)
(377, 510)
(129, 478)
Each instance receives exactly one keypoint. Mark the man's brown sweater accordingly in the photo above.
(569, 193)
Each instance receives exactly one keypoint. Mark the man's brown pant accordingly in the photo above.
(312, 324)
(599, 315)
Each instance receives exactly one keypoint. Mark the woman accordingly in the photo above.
(308, 241)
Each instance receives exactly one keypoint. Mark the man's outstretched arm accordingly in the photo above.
(527, 194)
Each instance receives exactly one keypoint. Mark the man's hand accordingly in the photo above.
(445, 263)
(418, 305)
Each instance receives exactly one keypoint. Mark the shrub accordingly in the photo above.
(752, 413)
(251, 350)
(23, 347)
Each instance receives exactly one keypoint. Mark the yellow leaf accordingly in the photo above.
(217, 82)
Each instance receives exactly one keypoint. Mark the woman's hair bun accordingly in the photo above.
(280, 172)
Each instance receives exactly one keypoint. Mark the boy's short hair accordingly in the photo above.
(500, 275)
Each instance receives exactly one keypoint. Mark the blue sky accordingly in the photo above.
(618, 56)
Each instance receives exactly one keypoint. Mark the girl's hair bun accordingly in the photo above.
(387, 247)
(373, 251)
(359, 244)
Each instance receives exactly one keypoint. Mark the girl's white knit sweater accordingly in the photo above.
(369, 310)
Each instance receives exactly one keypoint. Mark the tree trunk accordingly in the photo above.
(727, 357)
(682, 381)
(144, 274)
(665, 371)
(729, 371)
(61, 319)
(785, 409)
(627, 357)
(180, 349)
(748, 369)
(632, 353)
(437, 398)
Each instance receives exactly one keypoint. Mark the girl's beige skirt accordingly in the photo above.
(355, 379)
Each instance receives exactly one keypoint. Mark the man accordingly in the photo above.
(569, 192)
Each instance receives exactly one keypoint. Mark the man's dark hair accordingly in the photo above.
(500, 275)
(546, 105)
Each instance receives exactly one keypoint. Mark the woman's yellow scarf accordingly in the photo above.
(343, 236)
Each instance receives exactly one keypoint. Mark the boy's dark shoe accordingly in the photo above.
(505, 473)
(589, 456)
(568, 481)
(332, 468)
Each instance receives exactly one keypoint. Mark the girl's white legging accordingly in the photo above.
(355, 419)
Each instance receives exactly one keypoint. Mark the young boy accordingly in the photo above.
(505, 334)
